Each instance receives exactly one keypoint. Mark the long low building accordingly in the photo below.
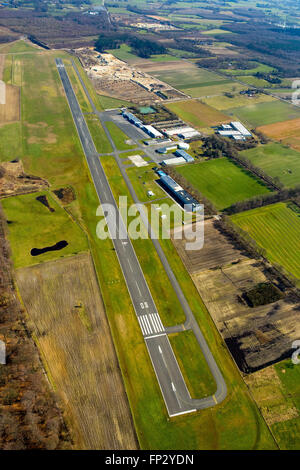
(174, 161)
(150, 130)
(236, 130)
(183, 154)
(179, 194)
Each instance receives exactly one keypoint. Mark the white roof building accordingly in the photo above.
(152, 131)
(241, 128)
(174, 161)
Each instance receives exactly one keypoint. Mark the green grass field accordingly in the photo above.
(32, 225)
(257, 67)
(119, 137)
(276, 228)
(222, 181)
(187, 77)
(192, 361)
(214, 89)
(265, 113)
(222, 102)
(277, 161)
(107, 102)
(197, 114)
(10, 141)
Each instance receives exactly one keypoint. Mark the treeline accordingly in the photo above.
(208, 205)
(141, 47)
(216, 146)
(226, 63)
(264, 200)
(273, 46)
(268, 78)
(30, 417)
(239, 237)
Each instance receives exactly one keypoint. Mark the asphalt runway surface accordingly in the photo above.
(174, 390)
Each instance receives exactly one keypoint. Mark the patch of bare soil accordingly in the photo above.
(65, 195)
(29, 415)
(14, 181)
(65, 307)
(256, 336)
(10, 111)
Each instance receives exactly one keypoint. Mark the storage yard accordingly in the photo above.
(113, 77)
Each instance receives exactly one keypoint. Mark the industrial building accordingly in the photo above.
(174, 161)
(181, 131)
(150, 130)
(183, 154)
(178, 193)
(132, 118)
(166, 149)
(236, 130)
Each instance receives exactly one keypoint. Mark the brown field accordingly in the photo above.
(10, 111)
(256, 336)
(167, 66)
(67, 317)
(217, 251)
(197, 113)
(288, 132)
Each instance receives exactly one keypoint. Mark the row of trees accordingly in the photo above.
(141, 47)
(264, 200)
(216, 146)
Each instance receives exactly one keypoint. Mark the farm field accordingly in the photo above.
(222, 273)
(222, 181)
(276, 392)
(254, 81)
(197, 114)
(277, 161)
(276, 228)
(265, 113)
(287, 132)
(257, 67)
(66, 311)
(186, 76)
(213, 89)
(222, 103)
(33, 225)
(10, 111)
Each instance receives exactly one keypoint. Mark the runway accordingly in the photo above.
(174, 390)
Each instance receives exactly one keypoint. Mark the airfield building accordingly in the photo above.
(178, 193)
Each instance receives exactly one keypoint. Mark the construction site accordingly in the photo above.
(115, 78)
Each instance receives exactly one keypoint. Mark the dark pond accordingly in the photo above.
(58, 246)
